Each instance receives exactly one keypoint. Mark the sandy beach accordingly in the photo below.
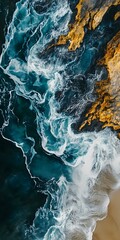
(109, 228)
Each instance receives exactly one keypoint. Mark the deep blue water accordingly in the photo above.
(53, 178)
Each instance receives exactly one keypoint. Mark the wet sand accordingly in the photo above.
(109, 228)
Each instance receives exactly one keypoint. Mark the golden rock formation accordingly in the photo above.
(107, 106)
(92, 16)
(117, 15)
(76, 31)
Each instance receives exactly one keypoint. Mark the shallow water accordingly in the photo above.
(55, 179)
(109, 228)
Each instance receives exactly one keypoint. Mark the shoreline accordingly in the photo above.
(109, 227)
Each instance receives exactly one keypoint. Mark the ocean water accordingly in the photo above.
(55, 180)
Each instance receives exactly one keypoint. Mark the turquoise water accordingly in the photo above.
(54, 180)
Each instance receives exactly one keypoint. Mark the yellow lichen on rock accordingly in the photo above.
(76, 34)
(91, 16)
(117, 15)
(97, 17)
(107, 106)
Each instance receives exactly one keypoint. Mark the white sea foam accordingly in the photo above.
(87, 197)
